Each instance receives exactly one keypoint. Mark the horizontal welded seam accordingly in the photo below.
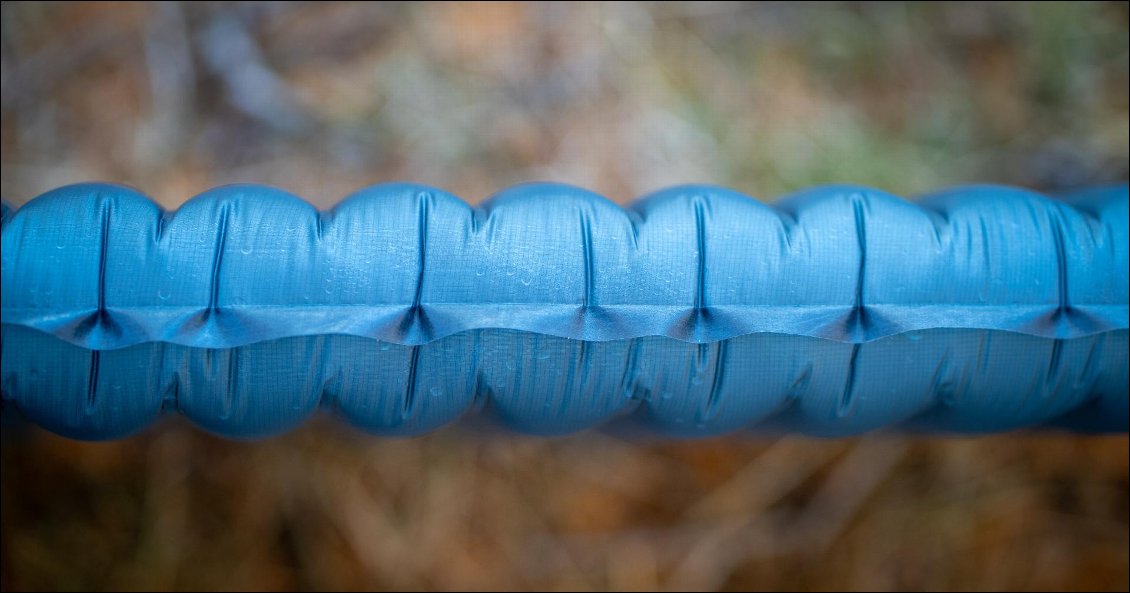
(550, 320)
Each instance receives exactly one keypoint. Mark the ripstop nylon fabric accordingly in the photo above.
(694, 311)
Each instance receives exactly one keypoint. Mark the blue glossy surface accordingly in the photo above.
(695, 311)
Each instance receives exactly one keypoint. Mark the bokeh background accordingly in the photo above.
(323, 98)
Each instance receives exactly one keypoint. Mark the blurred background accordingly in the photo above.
(623, 98)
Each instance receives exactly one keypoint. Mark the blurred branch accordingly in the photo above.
(232, 53)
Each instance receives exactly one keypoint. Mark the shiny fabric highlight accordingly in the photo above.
(695, 311)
